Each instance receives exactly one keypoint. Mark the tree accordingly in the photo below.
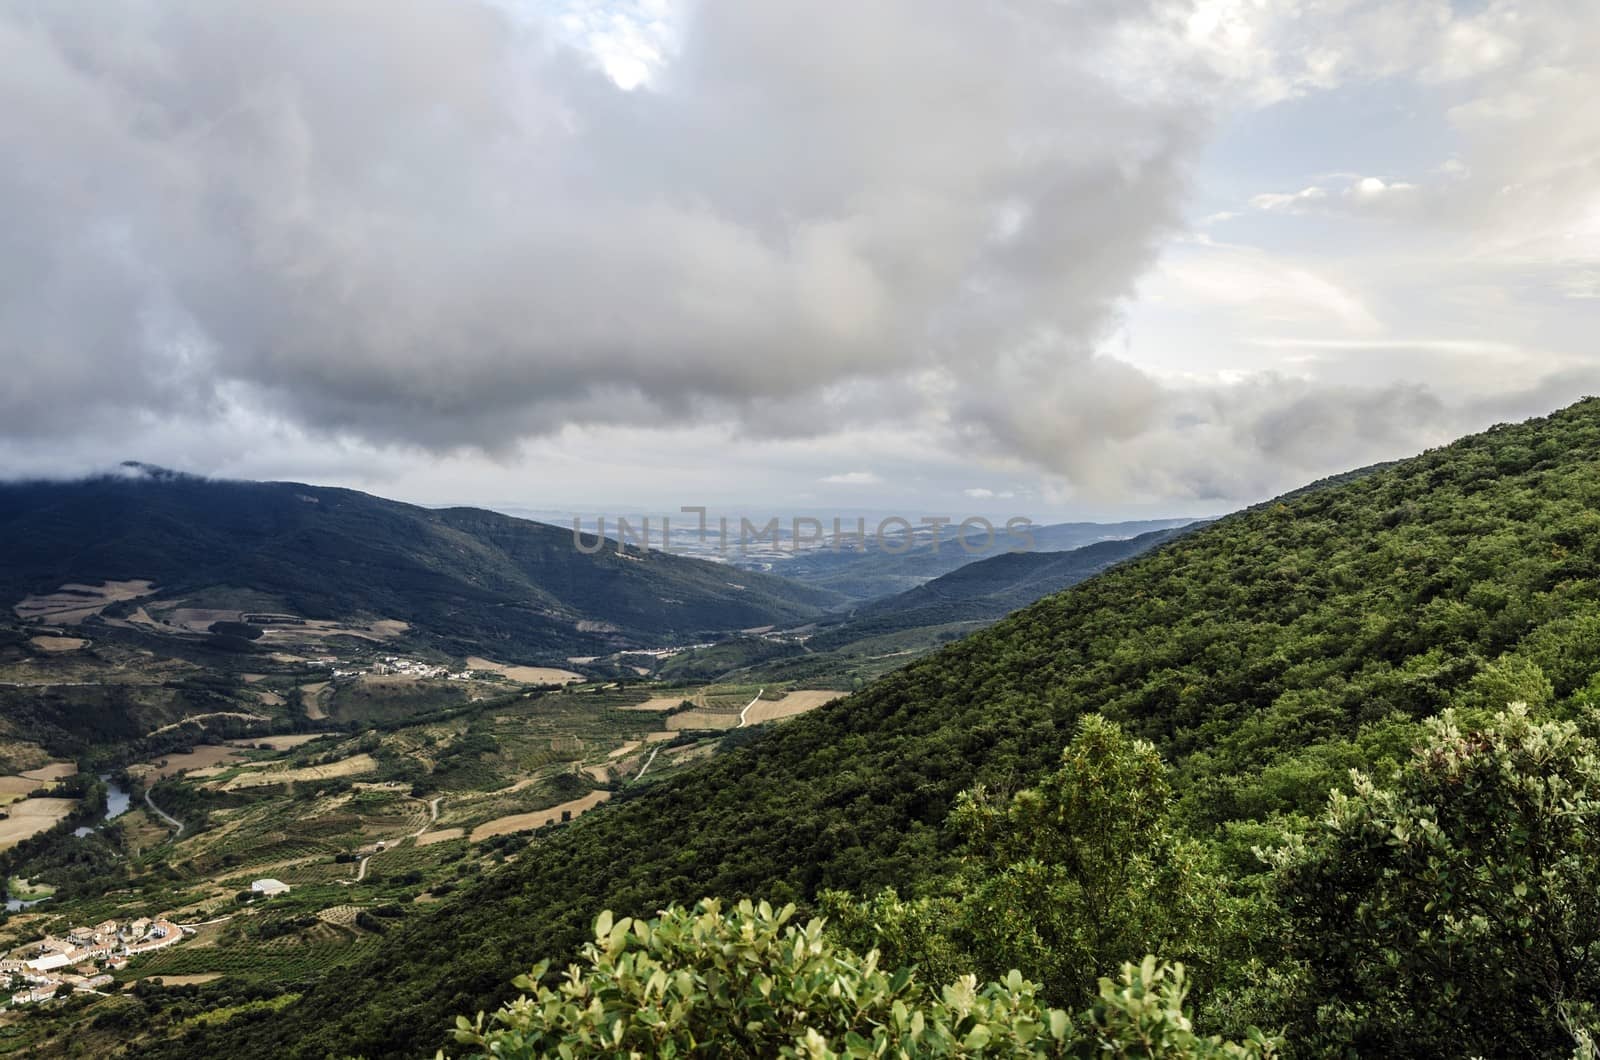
(1457, 913)
(1069, 879)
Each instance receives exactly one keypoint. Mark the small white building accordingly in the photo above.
(270, 887)
(50, 961)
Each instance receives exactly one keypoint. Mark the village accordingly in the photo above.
(394, 665)
(83, 959)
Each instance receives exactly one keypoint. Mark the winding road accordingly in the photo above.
(433, 819)
(433, 816)
(165, 816)
(195, 718)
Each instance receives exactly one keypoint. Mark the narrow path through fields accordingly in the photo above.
(747, 706)
(187, 718)
(433, 816)
(647, 762)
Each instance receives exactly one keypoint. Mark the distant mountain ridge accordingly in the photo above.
(989, 589)
(464, 578)
(876, 573)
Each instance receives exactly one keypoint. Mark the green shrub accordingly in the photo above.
(1458, 912)
(749, 984)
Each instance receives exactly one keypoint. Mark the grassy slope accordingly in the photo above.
(476, 580)
(1239, 648)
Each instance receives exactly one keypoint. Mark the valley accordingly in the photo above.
(305, 759)
(1236, 674)
(354, 820)
(298, 774)
(371, 786)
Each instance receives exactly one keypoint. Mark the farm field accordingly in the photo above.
(57, 644)
(13, 788)
(665, 703)
(30, 817)
(203, 757)
(49, 774)
(525, 821)
(355, 765)
(73, 602)
(532, 675)
(796, 702)
(426, 786)
(278, 743)
(703, 719)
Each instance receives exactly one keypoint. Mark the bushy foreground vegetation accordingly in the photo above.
(1264, 657)
(751, 984)
(1453, 914)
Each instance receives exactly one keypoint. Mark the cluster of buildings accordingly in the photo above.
(84, 957)
(657, 653)
(394, 664)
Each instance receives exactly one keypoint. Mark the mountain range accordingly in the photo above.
(464, 580)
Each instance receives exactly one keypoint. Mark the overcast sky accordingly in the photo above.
(1071, 257)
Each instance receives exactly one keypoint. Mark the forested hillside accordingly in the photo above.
(1264, 655)
(468, 580)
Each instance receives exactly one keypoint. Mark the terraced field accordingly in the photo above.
(344, 818)
(281, 959)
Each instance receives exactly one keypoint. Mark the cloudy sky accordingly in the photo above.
(1066, 257)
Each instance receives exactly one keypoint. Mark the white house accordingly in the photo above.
(270, 887)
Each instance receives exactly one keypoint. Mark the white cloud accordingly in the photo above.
(1291, 201)
(1368, 189)
(852, 478)
(1262, 287)
(1357, 194)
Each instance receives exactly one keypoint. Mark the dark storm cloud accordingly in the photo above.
(420, 222)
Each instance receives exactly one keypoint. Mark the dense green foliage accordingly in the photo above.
(748, 984)
(468, 579)
(1074, 876)
(1265, 655)
(1458, 912)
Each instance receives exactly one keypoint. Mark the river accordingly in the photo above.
(117, 803)
(118, 799)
